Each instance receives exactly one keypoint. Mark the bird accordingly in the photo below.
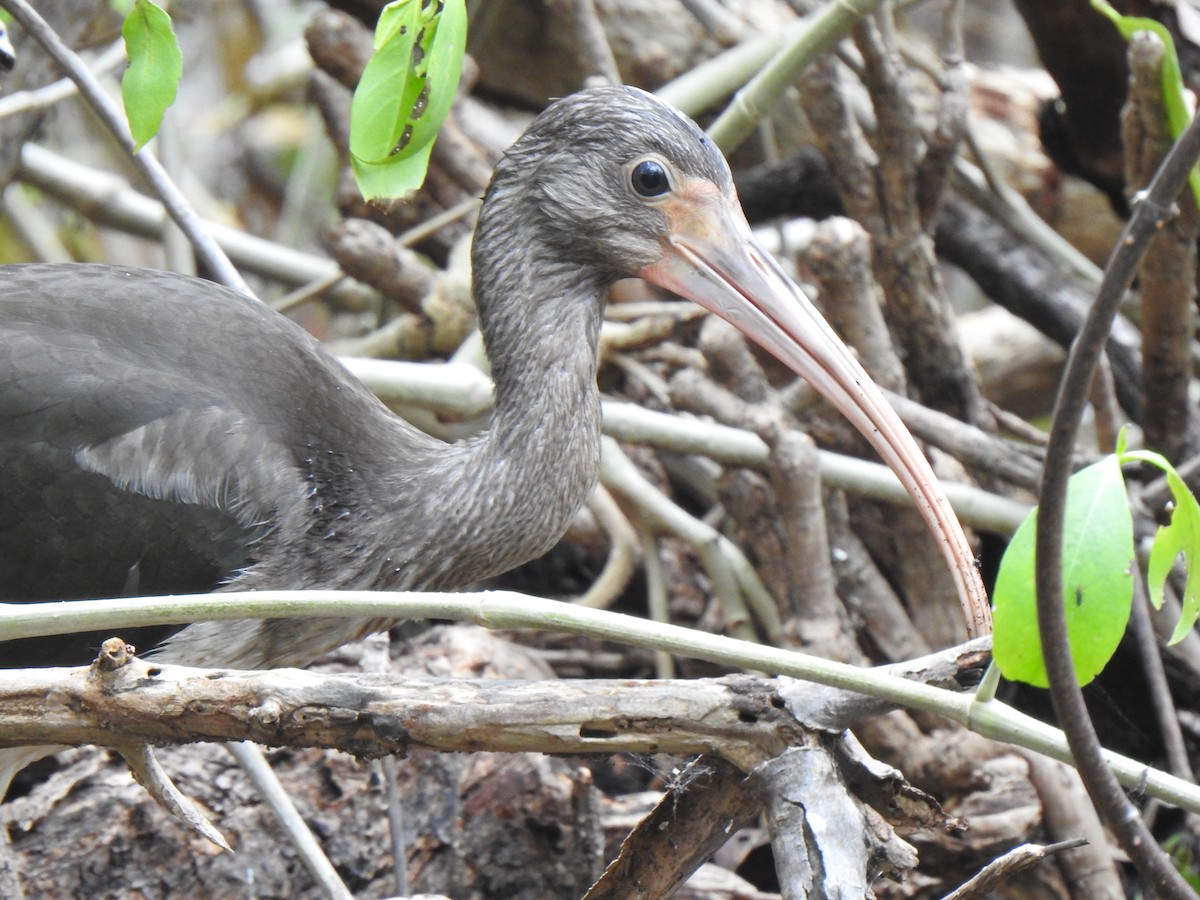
(161, 434)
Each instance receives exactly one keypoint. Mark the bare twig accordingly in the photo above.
(90, 88)
(918, 309)
(1115, 807)
(947, 134)
(622, 554)
(1066, 813)
(656, 596)
(734, 579)
(999, 871)
(55, 92)
(818, 613)
(108, 199)
(868, 595)
(708, 803)
(1156, 680)
(839, 255)
(255, 765)
(144, 702)
(823, 31)
(975, 448)
(150, 775)
(389, 772)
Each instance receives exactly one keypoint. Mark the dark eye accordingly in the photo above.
(649, 179)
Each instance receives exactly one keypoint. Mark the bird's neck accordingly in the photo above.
(525, 478)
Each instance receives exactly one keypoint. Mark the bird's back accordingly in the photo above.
(156, 434)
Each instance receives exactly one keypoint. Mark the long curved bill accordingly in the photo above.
(711, 257)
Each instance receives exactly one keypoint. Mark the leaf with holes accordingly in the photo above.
(155, 66)
(1181, 537)
(405, 94)
(1098, 565)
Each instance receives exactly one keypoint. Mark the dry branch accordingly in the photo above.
(692, 821)
(741, 719)
(375, 715)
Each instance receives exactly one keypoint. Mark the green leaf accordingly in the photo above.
(405, 93)
(1174, 95)
(395, 177)
(155, 65)
(1098, 565)
(1180, 537)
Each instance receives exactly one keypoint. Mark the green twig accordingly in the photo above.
(509, 610)
(762, 92)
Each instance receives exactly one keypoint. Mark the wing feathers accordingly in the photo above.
(204, 457)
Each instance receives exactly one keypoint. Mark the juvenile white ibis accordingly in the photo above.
(160, 434)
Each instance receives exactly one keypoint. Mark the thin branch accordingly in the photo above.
(622, 555)
(1156, 681)
(918, 310)
(93, 92)
(943, 140)
(108, 199)
(1000, 871)
(630, 423)
(718, 554)
(1091, 871)
(505, 609)
(149, 773)
(755, 100)
(255, 765)
(57, 91)
(656, 596)
(1120, 815)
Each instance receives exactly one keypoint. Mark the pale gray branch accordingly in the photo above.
(374, 715)
(108, 199)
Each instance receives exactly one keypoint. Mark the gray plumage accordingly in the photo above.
(160, 434)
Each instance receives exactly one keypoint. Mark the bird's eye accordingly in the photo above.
(649, 179)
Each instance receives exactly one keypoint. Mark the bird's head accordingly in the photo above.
(612, 182)
(609, 173)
